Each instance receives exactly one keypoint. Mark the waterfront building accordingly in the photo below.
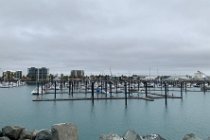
(43, 74)
(32, 73)
(178, 78)
(199, 76)
(8, 75)
(77, 73)
(38, 74)
(18, 75)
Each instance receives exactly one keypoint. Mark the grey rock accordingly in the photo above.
(34, 135)
(13, 132)
(152, 137)
(110, 137)
(64, 131)
(191, 136)
(131, 135)
(26, 134)
(4, 138)
(43, 135)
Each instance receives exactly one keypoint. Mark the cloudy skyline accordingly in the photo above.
(128, 36)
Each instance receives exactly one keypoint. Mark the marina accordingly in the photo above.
(117, 90)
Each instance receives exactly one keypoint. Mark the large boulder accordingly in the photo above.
(110, 137)
(43, 135)
(152, 137)
(34, 135)
(26, 134)
(64, 131)
(191, 136)
(131, 135)
(4, 138)
(13, 132)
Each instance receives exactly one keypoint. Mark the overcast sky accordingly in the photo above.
(128, 36)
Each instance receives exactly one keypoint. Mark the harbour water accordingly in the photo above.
(172, 121)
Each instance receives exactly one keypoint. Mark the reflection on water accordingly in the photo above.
(166, 104)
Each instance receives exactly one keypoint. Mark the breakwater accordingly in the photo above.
(68, 131)
(64, 131)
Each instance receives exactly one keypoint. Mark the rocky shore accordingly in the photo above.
(68, 131)
(64, 131)
(132, 135)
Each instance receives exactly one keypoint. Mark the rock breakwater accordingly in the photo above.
(68, 131)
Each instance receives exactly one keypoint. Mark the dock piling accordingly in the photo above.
(165, 85)
(92, 95)
(129, 88)
(101, 85)
(55, 91)
(72, 88)
(37, 88)
(110, 89)
(86, 86)
(204, 87)
(126, 98)
(106, 86)
(69, 87)
(145, 86)
(181, 88)
(116, 87)
(185, 84)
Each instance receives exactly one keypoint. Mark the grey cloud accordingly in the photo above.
(128, 36)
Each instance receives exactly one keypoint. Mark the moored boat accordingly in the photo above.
(38, 91)
(205, 88)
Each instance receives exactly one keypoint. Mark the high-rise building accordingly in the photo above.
(32, 73)
(77, 73)
(8, 75)
(11, 75)
(38, 74)
(43, 73)
(18, 75)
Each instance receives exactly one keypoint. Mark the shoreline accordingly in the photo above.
(69, 131)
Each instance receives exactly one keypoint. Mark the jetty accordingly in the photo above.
(79, 99)
(116, 89)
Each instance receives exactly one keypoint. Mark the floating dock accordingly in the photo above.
(104, 98)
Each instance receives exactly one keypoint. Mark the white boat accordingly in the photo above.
(195, 85)
(52, 87)
(39, 91)
(119, 90)
(4, 86)
(150, 85)
(205, 88)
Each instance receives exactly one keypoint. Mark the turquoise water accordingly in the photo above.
(192, 114)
